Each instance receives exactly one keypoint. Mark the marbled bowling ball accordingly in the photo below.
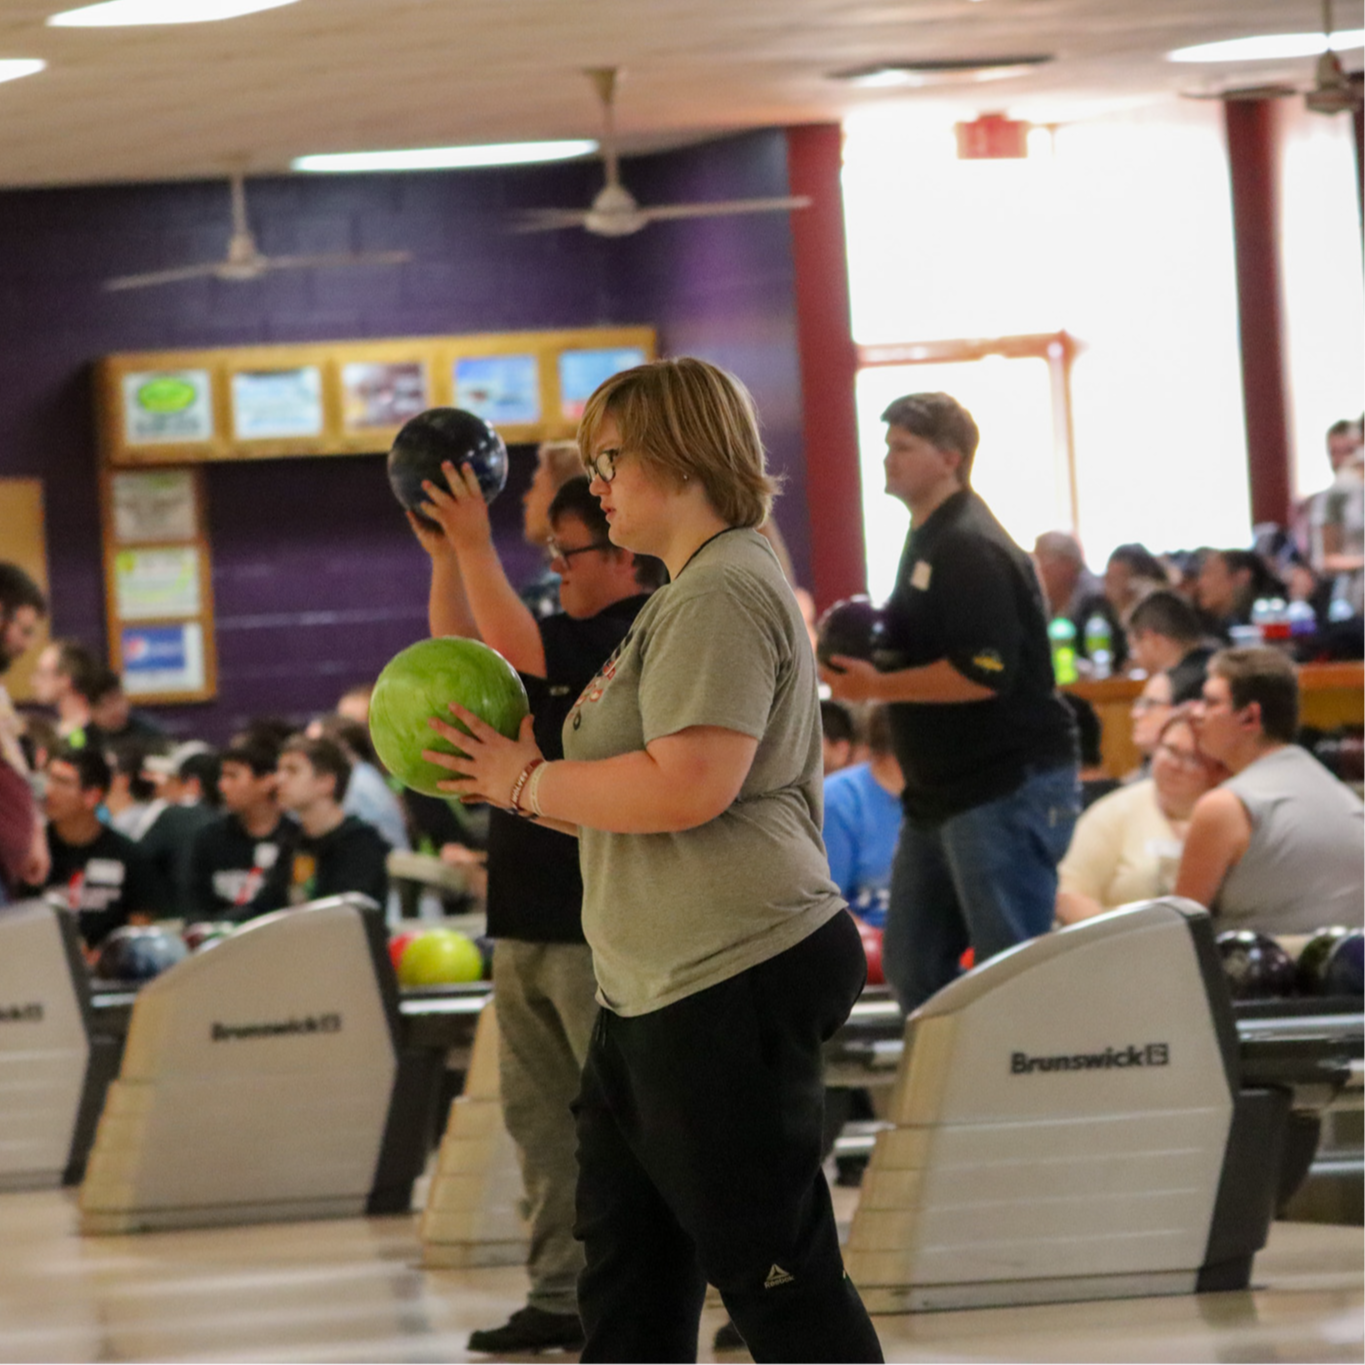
(137, 953)
(438, 435)
(1255, 965)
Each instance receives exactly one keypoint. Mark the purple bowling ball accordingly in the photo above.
(1342, 974)
(1255, 966)
(854, 628)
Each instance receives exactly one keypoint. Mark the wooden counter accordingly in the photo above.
(1330, 695)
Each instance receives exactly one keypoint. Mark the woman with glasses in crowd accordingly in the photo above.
(723, 952)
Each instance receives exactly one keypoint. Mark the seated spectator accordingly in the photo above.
(335, 852)
(1150, 711)
(1166, 635)
(839, 735)
(232, 858)
(1126, 847)
(862, 823)
(105, 878)
(1095, 779)
(187, 800)
(112, 718)
(1130, 574)
(368, 795)
(1230, 582)
(132, 793)
(63, 678)
(1339, 538)
(1074, 593)
(1280, 846)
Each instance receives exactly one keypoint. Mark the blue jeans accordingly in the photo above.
(986, 877)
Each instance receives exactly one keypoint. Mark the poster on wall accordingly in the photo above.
(162, 658)
(153, 584)
(165, 406)
(276, 404)
(376, 395)
(580, 372)
(154, 506)
(499, 388)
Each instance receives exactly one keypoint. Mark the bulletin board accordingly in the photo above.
(162, 415)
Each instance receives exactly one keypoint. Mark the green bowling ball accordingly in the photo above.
(440, 957)
(420, 683)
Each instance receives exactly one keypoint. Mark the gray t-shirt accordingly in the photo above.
(1305, 866)
(668, 915)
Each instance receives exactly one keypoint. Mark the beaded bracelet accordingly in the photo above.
(533, 789)
(522, 777)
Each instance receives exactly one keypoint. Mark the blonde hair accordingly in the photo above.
(686, 418)
(561, 459)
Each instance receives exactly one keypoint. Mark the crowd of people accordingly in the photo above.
(666, 851)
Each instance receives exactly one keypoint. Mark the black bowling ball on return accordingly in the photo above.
(137, 953)
(854, 628)
(1255, 965)
(437, 435)
(1344, 972)
(1313, 958)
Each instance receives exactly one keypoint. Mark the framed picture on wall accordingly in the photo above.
(502, 389)
(161, 659)
(156, 505)
(163, 407)
(382, 395)
(275, 404)
(580, 372)
(152, 584)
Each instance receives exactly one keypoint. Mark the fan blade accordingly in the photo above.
(184, 272)
(338, 258)
(662, 212)
(548, 220)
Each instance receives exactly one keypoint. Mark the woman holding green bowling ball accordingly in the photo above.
(723, 953)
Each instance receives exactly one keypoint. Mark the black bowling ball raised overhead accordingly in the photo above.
(439, 434)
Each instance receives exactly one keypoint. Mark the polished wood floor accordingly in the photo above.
(351, 1290)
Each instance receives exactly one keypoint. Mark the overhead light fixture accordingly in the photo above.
(446, 158)
(912, 74)
(1269, 47)
(11, 68)
(119, 13)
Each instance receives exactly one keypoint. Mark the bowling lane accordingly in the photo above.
(351, 1290)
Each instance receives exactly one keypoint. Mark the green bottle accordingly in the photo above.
(1062, 634)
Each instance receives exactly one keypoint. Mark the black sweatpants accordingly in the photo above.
(699, 1146)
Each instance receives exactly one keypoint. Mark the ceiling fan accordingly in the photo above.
(614, 211)
(1334, 90)
(245, 260)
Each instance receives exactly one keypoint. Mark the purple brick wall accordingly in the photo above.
(317, 580)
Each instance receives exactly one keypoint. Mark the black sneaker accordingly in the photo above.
(530, 1330)
(728, 1338)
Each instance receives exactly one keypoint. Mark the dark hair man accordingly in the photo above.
(542, 968)
(23, 847)
(987, 747)
(112, 718)
(107, 879)
(334, 852)
(1166, 635)
(232, 858)
(1279, 846)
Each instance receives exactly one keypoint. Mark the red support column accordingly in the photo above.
(829, 363)
(1250, 128)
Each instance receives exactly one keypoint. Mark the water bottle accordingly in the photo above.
(1099, 645)
(1062, 635)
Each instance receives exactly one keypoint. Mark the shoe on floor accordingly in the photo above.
(728, 1338)
(530, 1330)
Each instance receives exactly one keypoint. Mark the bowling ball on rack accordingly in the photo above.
(420, 683)
(854, 628)
(1313, 958)
(872, 949)
(1255, 966)
(137, 953)
(440, 957)
(439, 434)
(398, 945)
(1342, 974)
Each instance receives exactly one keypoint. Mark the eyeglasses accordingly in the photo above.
(603, 464)
(558, 553)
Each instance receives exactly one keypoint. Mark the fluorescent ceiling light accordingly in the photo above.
(1268, 47)
(11, 68)
(445, 158)
(116, 13)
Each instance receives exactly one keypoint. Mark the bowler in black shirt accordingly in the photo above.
(987, 746)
